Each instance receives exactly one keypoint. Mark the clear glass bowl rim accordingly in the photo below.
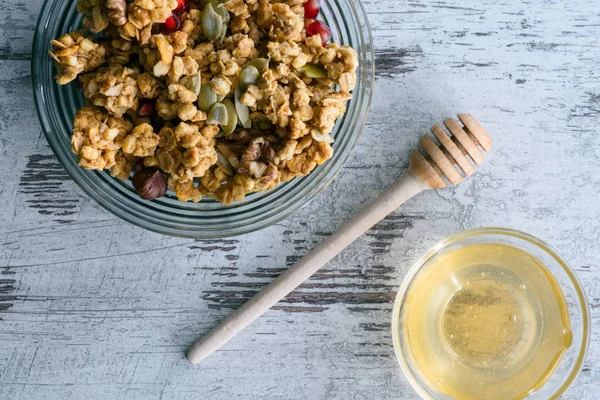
(207, 219)
(459, 236)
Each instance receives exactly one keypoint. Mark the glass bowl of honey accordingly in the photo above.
(491, 313)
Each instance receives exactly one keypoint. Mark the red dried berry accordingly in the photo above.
(182, 6)
(319, 28)
(146, 109)
(172, 24)
(312, 8)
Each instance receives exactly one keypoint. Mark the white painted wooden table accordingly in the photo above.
(94, 308)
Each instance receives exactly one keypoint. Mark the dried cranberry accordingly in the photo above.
(319, 28)
(182, 6)
(311, 8)
(146, 109)
(172, 24)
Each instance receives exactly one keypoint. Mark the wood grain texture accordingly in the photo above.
(94, 308)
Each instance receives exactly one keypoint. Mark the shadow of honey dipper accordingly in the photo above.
(447, 161)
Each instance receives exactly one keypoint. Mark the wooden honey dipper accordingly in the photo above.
(425, 172)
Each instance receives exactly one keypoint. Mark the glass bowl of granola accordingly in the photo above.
(206, 118)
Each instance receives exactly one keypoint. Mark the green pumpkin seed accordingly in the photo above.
(212, 23)
(207, 98)
(192, 82)
(223, 32)
(313, 71)
(224, 163)
(258, 63)
(222, 11)
(214, 3)
(229, 154)
(217, 115)
(232, 119)
(242, 110)
(248, 76)
(319, 136)
(224, 14)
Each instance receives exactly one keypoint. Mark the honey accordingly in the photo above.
(485, 321)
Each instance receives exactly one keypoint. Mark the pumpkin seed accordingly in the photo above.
(217, 115)
(319, 136)
(248, 76)
(242, 110)
(212, 23)
(224, 14)
(214, 3)
(224, 163)
(258, 63)
(313, 71)
(192, 82)
(230, 155)
(223, 32)
(232, 118)
(207, 98)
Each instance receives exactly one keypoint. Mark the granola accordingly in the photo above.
(97, 137)
(225, 97)
(115, 88)
(75, 53)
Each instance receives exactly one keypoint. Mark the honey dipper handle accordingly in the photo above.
(405, 188)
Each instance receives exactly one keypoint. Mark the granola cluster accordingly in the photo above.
(225, 97)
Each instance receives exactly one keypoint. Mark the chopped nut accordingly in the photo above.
(150, 183)
(116, 11)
